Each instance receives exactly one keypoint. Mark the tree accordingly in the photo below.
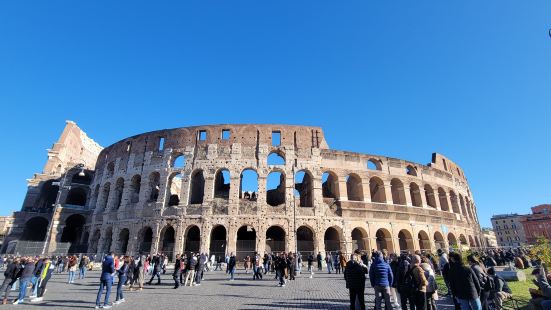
(542, 250)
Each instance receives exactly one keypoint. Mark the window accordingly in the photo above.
(225, 134)
(161, 143)
(202, 135)
(276, 138)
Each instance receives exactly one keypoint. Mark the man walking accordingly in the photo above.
(380, 276)
(156, 270)
(319, 258)
(106, 280)
(354, 274)
(231, 266)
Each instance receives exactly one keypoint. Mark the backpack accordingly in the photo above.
(489, 284)
(409, 285)
(432, 286)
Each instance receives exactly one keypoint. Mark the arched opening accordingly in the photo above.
(359, 239)
(154, 186)
(110, 169)
(197, 187)
(455, 205)
(35, 229)
(76, 197)
(377, 190)
(85, 179)
(119, 188)
(410, 170)
(477, 241)
(452, 241)
(174, 189)
(275, 188)
(123, 241)
(222, 184)
(108, 241)
(383, 239)
(415, 194)
(398, 195)
(179, 162)
(462, 240)
(275, 240)
(424, 241)
(218, 241)
(275, 159)
(135, 185)
(305, 241)
(303, 189)
(443, 199)
(95, 241)
(168, 240)
(462, 204)
(332, 240)
(439, 241)
(330, 185)
(471, 242)
(429, 196)
(248, 185)
(72, 232)
(105, 195)
(193, 239)
(146, 237)
(374, 164)
(246, 242)
(354, 187)
(405, 241)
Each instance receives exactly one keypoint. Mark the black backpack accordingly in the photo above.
(409, 285)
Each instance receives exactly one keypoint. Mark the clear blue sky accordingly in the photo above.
(469, 79)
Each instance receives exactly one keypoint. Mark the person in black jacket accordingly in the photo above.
(231, 266)
(354, 274)
(156, 261)
(10, 276)
(464, 283)
(177, 271)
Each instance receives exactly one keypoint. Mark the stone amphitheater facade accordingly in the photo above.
(181, 189)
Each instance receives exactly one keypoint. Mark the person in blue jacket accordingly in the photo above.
(106, 280)
(380, 276)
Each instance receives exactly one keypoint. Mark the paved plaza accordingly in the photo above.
(323, 291)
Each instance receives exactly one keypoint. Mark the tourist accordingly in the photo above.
(45, 275)
(72, 267)
(156, 261)
(394, 268)
(342, 261)
(82, 266)
(485, 282)
(501, 291)
(432, 286)
(291, 264)
(178, 264)
(329, 262)
(311, 265)
(257, 267)
(464, 283)
(281, 268)
(10, 276)
(190, 274)
(319, 259)
(106, 280)
(122, 274)
(354, 275)
(35, 280)
(26, 275)
(380, 277)
(541, 297)
(199, 268)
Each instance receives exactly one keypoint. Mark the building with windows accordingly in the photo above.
(489, 238)
(246, 188)
(509, 230)
(537, 224)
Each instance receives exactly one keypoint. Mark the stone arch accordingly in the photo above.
(439, 242)
(124, 236)
(135, 186)
(377, 190)
(72, 232)
(304, 187)
(222, 180)
(383, 239)
(154, 186)
(452, 241)
(119, 189)
(354, 188)
(374, 164)
(398, 194)
(275, 188)
(443, 196)
(35, 229)
(84, 179)
(462, 204)
(76, 196)
(197, 191)
(248, 184)
(471, 242)
(276, 158)
(333, 239)
(405, 241)
(93, 248)
(192, 239)
(330, 185)
(105, 195)
(462, 239)
(415, 194)
(276, 239)
(178, 161)
(168, 239)
(174, 188)
(424, 241)
(455, 205)
(411, 170)
(218, 240)
(110, 169)
(305, 240)
(48, 195)
(359, 239)
(108, 240)
(429, 196)
(145, 237)
(246, 242)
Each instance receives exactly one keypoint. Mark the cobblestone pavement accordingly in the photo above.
(323, 291)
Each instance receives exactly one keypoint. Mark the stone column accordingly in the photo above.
(156, 237)
(343, 191)
(436, 200)
(407, 194)
(262, 191)
(231, 241)
(388, 193)
(179, 239)
(233, 200)
(423, 194)
(205, 237)
(366, 191)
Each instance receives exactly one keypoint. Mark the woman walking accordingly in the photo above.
(122, 273)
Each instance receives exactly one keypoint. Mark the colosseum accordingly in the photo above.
(242, 188)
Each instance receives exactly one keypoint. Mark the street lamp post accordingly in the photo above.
(61, 185)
